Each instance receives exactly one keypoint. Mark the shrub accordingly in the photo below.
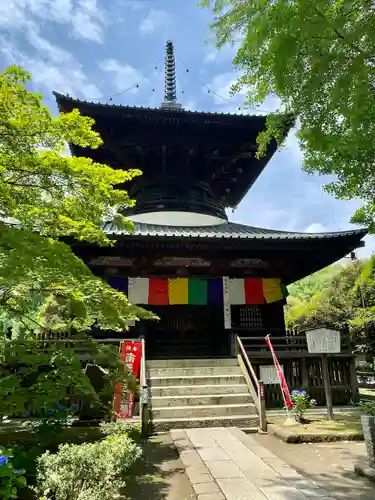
(301, 402)
(368, 408)
(121, 427)
(11, 479)
(90, 471)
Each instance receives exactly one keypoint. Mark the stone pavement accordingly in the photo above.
(227, 464)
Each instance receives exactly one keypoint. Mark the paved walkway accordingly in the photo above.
(331, 465)
(226, 464)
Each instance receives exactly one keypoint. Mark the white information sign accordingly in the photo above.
(226, 303)
(268, 374)
(323, 341)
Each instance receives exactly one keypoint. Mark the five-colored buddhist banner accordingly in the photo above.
(182, 291)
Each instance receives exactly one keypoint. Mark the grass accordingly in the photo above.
(368, 394)
(319, 428)
(343, 424)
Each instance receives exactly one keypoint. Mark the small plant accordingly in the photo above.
(301, 403)
(368, 408)
(90, 471)
(11, 479)
(120, 427)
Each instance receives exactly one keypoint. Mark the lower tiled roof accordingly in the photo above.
(228, 230)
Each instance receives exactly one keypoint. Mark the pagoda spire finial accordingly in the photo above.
(170, 98)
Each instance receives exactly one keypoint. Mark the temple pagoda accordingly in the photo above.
(206, 278)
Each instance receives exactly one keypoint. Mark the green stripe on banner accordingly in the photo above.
(197, 292)
(285, 291)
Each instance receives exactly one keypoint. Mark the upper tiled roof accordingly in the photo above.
(62, 97)
(228, 230)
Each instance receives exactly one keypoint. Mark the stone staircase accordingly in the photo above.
(199, 393)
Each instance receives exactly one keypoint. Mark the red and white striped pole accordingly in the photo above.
(283, 385)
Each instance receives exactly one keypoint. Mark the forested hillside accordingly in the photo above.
(339, 296)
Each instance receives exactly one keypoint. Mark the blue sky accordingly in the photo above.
(96, 48)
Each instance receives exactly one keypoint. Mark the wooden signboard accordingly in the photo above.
(324, 341)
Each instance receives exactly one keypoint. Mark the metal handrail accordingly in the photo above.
(255, 385)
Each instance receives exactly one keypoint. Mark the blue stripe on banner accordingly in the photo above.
(215, 291)
(118, 283)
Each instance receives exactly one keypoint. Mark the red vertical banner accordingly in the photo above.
(283, 384)
(130, 356)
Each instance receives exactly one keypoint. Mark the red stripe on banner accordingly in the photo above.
(254, 291)
(130, 356)
(284, 385)
(158, 292)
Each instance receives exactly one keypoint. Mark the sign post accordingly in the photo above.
(324, 341)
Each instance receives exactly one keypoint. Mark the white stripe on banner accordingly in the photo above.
(237, 292)
(138, 290)
(226, 303)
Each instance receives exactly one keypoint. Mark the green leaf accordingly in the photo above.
(46, 196)
(318, 58)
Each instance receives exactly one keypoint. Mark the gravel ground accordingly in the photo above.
(328, 464)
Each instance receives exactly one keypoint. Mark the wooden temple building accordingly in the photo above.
(206, 278)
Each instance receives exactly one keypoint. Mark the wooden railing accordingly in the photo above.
(285, 346)
(255, 386)
(143, 400)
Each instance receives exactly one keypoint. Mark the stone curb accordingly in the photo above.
(291, 437)
(202, 481)
(364, 470)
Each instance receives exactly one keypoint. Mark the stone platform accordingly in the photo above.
(227, 464)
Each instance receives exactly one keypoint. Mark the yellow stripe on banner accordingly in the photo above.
(178, 290)
(272, 290)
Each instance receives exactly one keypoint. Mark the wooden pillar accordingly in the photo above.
(354, 381)
(233, 348)
(305, 374)
(327, 386)
(262, 408)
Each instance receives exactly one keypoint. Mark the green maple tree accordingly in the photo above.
(318, 58)
(46, 195)
(340, 296)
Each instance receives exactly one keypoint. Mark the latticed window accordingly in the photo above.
(250, 316)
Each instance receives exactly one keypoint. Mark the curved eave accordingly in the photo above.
(227, 231)
(65, 99)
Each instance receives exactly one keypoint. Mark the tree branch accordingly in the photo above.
(339, 34)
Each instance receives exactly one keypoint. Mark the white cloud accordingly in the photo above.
(88, 21)
(125, 76)
(315, 227)
(369, 247)
(52, 68)
(190, 105)
(85, 18)
(157, 20)
(225, 53)
(220, 87)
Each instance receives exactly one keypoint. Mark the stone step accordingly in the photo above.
(197, 380)
(201, 399)
(248, 422)
(187, 363)
(197, 390)
(194, 371)
(203, 411)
